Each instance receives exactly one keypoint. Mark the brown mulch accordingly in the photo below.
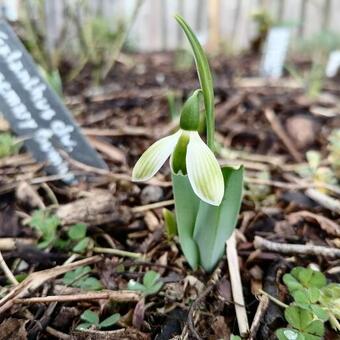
(269, 127)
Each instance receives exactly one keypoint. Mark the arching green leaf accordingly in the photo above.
(205, 78)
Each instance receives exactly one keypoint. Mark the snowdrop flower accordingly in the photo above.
(189, 155)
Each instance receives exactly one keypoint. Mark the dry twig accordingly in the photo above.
(12, 243)
(324, 200)
(152, 206)
(7, 271)
(278, 129)
(117, 252)
(236, 286)
(261, 309)
(116, 296)
(35, 280)
(303, 249)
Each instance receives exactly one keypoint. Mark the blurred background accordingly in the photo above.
(231, 24)
(67, 29)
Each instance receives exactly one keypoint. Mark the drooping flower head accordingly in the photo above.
(189, 155)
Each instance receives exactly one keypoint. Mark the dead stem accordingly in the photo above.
(12, 243)
(280, 132)
(278, 302)
(36, 279)
(117, 252)
(116, 296)
(261, 309)
(7, 271)
(152, 206)
(287, 248)
(324, 200)
(193, 307)
(236, 286)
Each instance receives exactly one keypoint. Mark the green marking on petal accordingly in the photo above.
(154, 157)
(178, 157)
(204, 172)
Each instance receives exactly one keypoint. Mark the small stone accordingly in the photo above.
(151, 194)
(303, 129)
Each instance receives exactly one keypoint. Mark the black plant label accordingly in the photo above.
(36, 113)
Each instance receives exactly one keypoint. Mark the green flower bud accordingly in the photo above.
(190, 115)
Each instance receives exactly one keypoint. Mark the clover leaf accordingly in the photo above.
(80, 278)
(315, 303)
(151, 283)
(77, 231)
(46, 225)
(92, 320)
(300, 278)
(110, 321)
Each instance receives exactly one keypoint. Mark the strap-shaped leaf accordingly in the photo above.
(186, 211)
(214, 225)
(205, 79)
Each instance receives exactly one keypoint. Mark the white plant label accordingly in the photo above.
(275, 52)
(333, 64)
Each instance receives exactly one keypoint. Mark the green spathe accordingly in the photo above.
(190, 114)
(202, 228)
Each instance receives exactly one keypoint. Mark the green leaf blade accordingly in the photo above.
(90, 317)
(134, 285)
(110, 321)
(187, 204)
(83, 326)
(82, 245)
(205, 78)
(289, 334)
(150, 278)
(214, 225)
(170, 223)
(91, 283)
(77, 231)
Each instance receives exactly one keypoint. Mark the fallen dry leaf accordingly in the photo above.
(13, 329)
(330, 227)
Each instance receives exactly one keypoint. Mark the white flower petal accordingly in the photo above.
(154, 157)
(204, 172)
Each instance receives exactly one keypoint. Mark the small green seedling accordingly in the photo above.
(151, 284)
(235, 337)
(91, 320)
(9, 145)
(80, 278)
(170, 223)
(304, 325)
(46, 225)
(316, 171)
(77, 234)
(315, 302)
